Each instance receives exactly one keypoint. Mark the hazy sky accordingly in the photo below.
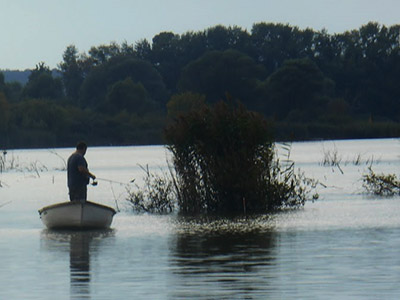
(32, 31)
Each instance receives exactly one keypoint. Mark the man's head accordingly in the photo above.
(81, 147)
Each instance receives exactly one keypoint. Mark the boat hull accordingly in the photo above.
(77, 215)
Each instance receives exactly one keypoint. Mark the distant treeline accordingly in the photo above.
(310, 84)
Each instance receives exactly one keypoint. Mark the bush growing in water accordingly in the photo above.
(225, 162)
(156, 197)
(381, 184)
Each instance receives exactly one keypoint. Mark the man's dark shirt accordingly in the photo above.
(76, 178)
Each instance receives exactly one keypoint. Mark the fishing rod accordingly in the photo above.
(112, 181)
(94, 183)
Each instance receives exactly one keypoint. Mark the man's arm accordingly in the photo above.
(86, 172)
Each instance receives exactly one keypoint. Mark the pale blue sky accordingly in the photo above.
(32, 31)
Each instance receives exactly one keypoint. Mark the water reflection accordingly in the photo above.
(222, 259)
(81, 244)
(79, 265)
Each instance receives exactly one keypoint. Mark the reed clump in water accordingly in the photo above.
(224, 161)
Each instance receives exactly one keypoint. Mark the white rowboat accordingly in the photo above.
(77, 215)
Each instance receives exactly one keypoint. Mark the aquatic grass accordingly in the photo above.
(357, 160)
(36, 167)
(381, 184)
(13, 164)
(332, 158)
(156, 196)
(3, 161)
(8, 164)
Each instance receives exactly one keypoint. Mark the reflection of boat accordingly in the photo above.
(77, 215)
(82, 247)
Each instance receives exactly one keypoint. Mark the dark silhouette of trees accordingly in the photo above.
(72, 73)
(42, 85)
(273, 44)
(4, 118)
(310, 83)
(165, 56)
(298, 87)
(102, 78)
(218, 73)
(183, 103)
(129, 96)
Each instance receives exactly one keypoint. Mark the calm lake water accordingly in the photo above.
(343, 246)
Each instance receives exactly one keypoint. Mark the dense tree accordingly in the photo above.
(42, 84)
(101, 79)
(2, 82)
(298, 86)
(222, 38)
(143, 50)
(37, 122)
(218, 73)
(165, 56)
(130, 96)
(103, 53)
(273, 44)
(72, 72)
(4, 119)
(10, 90)
(13, 91)
(192, 46)
(183, 103)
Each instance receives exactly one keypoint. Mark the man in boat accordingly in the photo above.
(78, 174)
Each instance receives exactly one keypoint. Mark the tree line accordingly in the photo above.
(310, 84)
